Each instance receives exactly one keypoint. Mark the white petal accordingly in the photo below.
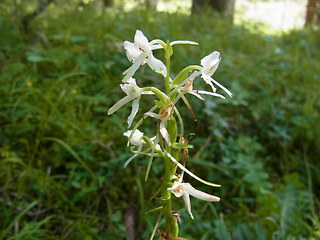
(211, 93)
(131, 88)
(140, 38)
(157, 65)
(142, 42)
(132, 51)
(222, 87)
(156, 46)
(176, 189)
(199, 194)
(147, 93)
(119, 104)
(152, 114)
(186, 199)
(187, 171)
(208, 80)
(135, 138)
(210, 63)
(132, 82)
(135, 107)
(155, 141)
(197, 95)
(164, 132)
(136, 64)
(210, 59)
(183, 42)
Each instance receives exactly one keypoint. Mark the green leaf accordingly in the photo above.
(155, 209)
(35, 58)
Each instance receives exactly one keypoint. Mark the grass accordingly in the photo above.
(62, 157)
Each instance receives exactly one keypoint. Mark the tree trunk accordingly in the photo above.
(29, 17)
(225, 7)
(151, 4)
(107, 3)
(313, 9)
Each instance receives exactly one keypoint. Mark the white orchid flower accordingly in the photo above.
(188, 88)
(135, 139)
(210, 64)
(133, 94)
(140, 52)
(164, 115)
(185, 190)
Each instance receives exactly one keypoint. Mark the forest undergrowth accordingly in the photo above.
(61, 156)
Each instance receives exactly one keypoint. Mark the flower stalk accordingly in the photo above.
(170, 168)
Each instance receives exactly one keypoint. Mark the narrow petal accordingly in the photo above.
(130, 160)
(222, 87)
(199, 194)
(210, 93)
(157, 65)
(184, 99)
(155, 141)
(183, 42)
(208, 80)
(119, 104)
(147, 93)
(155, 46)
(164, 132)
(135, 107)
(194, 93)
(186, 199)
(188, 171)
(134, 67)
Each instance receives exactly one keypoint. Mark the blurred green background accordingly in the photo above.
(61, 156)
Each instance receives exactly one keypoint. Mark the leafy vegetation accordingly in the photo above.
(62, 158)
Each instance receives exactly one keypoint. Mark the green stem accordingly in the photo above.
(166, 79)
(168, 53)
(171, 227)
